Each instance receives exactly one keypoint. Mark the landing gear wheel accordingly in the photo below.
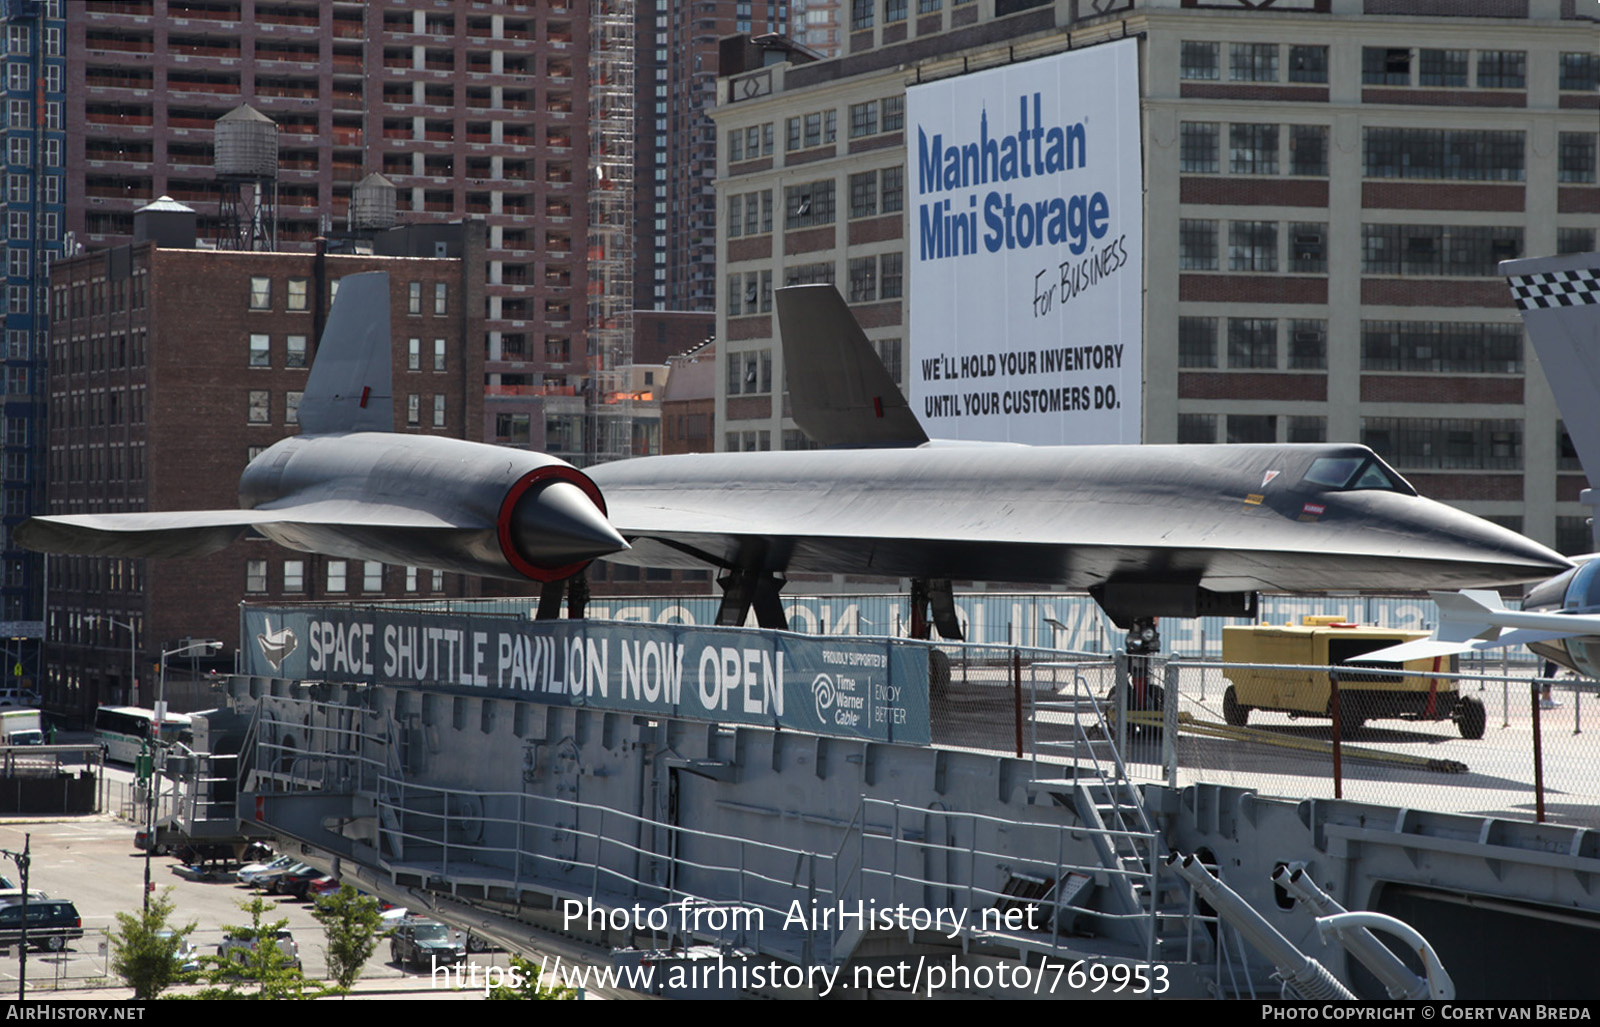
(1471, 718)
(1235, 714)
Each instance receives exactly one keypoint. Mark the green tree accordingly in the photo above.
(261, 968)
(528, 985)
(145, 949)
(350, 921)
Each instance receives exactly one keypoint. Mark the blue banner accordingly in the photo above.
(853, 687)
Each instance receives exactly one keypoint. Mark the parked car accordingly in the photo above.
(51, 924)
(293, 881)
(322, 886)
(247, 874)
(238, 947)
(266, 878)
(424, 943)
(186, 956)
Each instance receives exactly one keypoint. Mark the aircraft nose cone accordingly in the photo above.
(556, 523)
(1502, 556)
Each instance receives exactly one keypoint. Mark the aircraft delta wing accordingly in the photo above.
(1149, 530)
(349, 486)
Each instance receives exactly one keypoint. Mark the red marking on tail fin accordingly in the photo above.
(877, 405)
(366, 390)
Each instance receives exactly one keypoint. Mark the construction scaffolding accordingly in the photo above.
(609, 403)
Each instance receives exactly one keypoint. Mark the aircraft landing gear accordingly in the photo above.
(1144, 696)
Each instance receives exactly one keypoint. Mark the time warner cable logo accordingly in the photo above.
(823, 692)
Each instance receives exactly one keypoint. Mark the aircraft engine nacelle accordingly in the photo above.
(1575, 591)
(432, 502)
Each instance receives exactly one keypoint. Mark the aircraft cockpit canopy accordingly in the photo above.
(1356, 471)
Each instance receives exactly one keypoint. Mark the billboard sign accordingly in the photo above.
(868, 688)
(1026, 260)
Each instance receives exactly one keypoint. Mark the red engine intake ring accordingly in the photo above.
(560, 472)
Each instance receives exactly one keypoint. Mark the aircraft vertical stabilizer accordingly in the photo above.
(350, 387)
(1559, 298)
(840, 394)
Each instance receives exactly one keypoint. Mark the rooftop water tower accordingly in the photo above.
(372, 205)
(246, 162)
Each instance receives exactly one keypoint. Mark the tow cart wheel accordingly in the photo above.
(1232, 712)
(1471, 718)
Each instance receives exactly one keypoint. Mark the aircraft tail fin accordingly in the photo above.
(840, 394)
(1559, 298)
(350, 386)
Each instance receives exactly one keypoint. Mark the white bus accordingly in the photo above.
(123, 730)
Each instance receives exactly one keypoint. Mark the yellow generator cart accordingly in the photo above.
(1363, 696)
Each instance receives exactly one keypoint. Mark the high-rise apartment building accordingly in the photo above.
(474, 109)
(1328, 187)
(34, 199)
(676, 152)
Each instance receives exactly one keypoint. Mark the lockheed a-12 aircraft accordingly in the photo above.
(1150, 531)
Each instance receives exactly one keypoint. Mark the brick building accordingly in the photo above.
(170, 369)
(1328, 187)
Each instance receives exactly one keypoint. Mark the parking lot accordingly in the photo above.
(91, 861)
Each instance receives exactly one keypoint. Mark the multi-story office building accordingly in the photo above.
(170, 369)
(469, 109)
(1328, 187)
(34, 199)
(676, 151)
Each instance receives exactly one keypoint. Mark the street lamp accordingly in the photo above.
(133, 649)
(153, 744)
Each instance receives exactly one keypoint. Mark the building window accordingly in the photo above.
(1441, 346)
(1197, 342)
(1580, 72)
(294, 575)
(891, 276)
(438, 581)
(291, 407)
(1253, 62)
(413, 297)
(894, 10)
(894, 114)
(809, 204)
(260, 351)
(1197, 245)
(260, 294)
(1198, 149)
(260, 406)
(414, 410)
(438, 354)
(1576, 157)
(1197, 429)
(864, 194)
(441, 298)
(890, 352)
(1308, 345)
(1253, 149)
(861, 12)
(255, 576)
(371, 576)
(1308, 247)
(749, 373)
(892, 192)
(1252, 246)
(863, 119)
(1437, 249)
(1574, 240)
(1252, 429)
(411, 579)
(1307, 429)
(1442, 153)
(336, 575)
(1385, 66)
(438, 410)
(1442, 68)
(1502, 69)
(413, 354)
(1308, 64)
(863, 279)
(1200, 60)
(1308, 150)
(295, 351)
(297, 297)
(1252, 342)
(1444, 443)
(809, 274)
